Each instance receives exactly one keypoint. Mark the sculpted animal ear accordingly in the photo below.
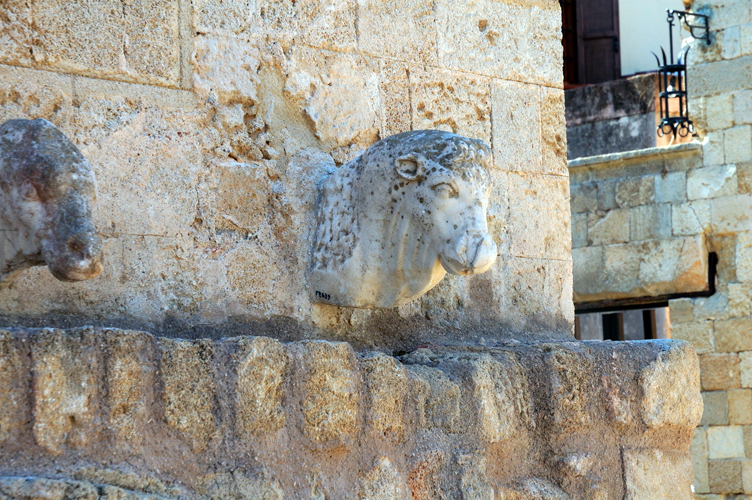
(410, 166)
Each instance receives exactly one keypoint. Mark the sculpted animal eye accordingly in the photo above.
(445, 189)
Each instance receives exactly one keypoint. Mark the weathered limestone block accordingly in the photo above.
(229, 83)
(501, 394)
(67, 368)
(477, 37)
(652, 473)
(608, 228)
(130, 382)
(711, 182)
(262, 365)
(436, 397)
(671, 388)
(149, 486)
(46, 489)
(381, 22)
(47, 192)
(473, 479)
(635, 191)
(534, 489)
(331, 405)
(387, 383)
(395, 220)
(10, 388)
(454, 102)
(426, 479)
(187, 375)
(554, 133)
(383, 482)
(517, 106)
(240, 485)
(133, 42)
(571, 384)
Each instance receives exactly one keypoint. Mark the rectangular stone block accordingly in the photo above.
(671, 187)
(738, 144)
(653, 473)
(188, 397)
(635, 191)
(681, 311)
(331, 402)
(451, 101)
(731, 213)
(532, 235)
(477, 37)
(650, 222)
(588, 269)
(133, 42)
(732, 335)
(11, 388)
(719, 112)
(579, 230)
(739, 299)
(436, 397)
(743, 102)
(608, 228)
(705, 81)
(725, 476)
(712, 149)
(584, 197)
(67, 368)
(745, 367)
(711, 182)
(715, 410)
(261, 367)
(699, 333)
(394, 87)
(740, 406)
(553, 132)
(131, 378)
(725, 442)
(690, 218)
(747, 476)
(381, 22)
(699, 452)
(744, 177)
(388, 384)
(606, 190)
(720, 371)
(516, 109)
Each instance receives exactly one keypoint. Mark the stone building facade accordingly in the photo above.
(673, 225)
(210, 126)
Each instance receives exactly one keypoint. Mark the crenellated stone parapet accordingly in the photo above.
(87, 413)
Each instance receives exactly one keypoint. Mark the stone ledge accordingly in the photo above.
(316, 415)
(640, 155)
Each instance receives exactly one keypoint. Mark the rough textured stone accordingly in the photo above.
(10, 394)
(740, 406)
(699, 450)
(732, 335)
(387, 383)
(725, 476)
(608, 228)
(501, 391)
(473, 480)
(645, 474)
(436, 398)
(331, 406)
(745, 368)
(262, 365)
(720, 371)
(477, 38)
(633, 192)
(453, 102)
(66, 368)
(517, 107)
(711, 182)
(229, 83)
(650, 222)
(715, 408)
(383, 482)
(130, 379)
(662, 403)
(725, 442)
(413, 23)
(699, 333)
(239, 485)
(189, 389)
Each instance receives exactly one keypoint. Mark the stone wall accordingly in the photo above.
(209, 126)
(720, 327)
(104, 413)
(706, 196)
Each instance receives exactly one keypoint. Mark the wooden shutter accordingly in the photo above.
(598, 40)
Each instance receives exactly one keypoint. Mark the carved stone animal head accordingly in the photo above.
(47, 191)
(395, 220)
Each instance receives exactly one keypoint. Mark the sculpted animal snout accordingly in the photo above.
(473, 252)
(81, 258)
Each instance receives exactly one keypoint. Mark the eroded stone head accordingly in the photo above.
(395, 220)
(47, 191)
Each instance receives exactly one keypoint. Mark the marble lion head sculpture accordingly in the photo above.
(46, 195)
(393, 221)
